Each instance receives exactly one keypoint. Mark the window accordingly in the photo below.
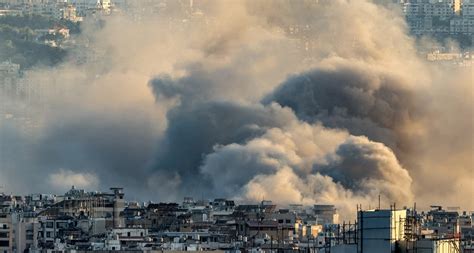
(61, 225)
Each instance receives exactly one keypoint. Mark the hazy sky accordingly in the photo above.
(229, 104)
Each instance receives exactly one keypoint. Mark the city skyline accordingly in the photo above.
(309, 102)
(97, 221)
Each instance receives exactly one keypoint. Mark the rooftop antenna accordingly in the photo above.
(379, 201)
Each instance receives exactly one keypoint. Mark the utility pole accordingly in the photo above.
(271, 244)
(379, 201)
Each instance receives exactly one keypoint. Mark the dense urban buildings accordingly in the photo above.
(440, 18)
(81, 221)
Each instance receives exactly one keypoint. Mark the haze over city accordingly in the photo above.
(352, 104)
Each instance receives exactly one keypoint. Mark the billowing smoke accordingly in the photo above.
(362, 98)
(297, 102)
(308, 164)
(255, 151)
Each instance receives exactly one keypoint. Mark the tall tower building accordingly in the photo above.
(119, 206)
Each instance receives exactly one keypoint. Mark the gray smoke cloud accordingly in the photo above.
(193, 133)
(249, 152)
(308, 164)
(292, 101)
(361, 98)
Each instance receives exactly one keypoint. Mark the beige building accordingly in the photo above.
(6, 233)
(25, 233)
(326, 214)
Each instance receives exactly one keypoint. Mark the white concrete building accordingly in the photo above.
(379, 230)
(462, 25)
(468, 8)
(87, 7)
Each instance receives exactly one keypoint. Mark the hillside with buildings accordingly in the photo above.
(441, 19)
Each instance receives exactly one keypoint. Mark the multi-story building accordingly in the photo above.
(468, 8)
(442, 222)
(466, 226)
(326, 214)
(462, 25)
(67, 11)
(379, 230)
(26, 229)
(9, 75)
(438, 17)
(6, 233)
(88, 7)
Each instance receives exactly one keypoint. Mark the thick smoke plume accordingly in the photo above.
(299, 102)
